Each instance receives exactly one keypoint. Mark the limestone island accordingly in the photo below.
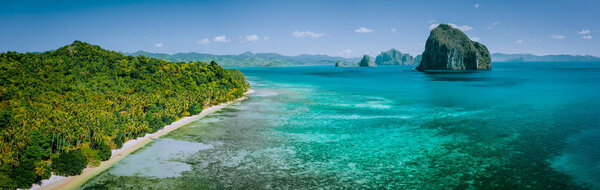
(340, 63)
(449, 49)
(395, 57)
(366, 62)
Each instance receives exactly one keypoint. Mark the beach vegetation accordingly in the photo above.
(69, 163)
(70, 106)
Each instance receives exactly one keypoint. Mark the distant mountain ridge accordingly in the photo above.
(502, 57)
(248, 58)
(390, 57)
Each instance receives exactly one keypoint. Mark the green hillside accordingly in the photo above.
(64, 109)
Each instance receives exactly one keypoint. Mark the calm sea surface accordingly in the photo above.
(520, 125)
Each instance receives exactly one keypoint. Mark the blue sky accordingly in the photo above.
(290, 27)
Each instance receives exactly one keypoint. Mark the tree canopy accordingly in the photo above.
(81, 96)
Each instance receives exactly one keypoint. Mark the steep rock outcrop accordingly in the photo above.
(417, 59)
(366, 62)
(448, 48)
(394, 57)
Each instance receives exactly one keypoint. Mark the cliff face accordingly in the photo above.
(418, 59)
(448, 48)
(366, 62)
(394, 57)
(484, 59)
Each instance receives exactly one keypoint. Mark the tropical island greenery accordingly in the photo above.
(448, 48)
(395, 57)
(366, 62)
(63, 110)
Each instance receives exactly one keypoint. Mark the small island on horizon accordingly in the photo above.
(249, 59)
(299, 95)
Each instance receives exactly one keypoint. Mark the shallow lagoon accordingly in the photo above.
(521, 125)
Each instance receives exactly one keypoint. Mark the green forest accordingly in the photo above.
(65, 109)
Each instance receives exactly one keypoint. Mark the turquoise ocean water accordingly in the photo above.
(520, 125)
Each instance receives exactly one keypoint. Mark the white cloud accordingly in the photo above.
(463, 28)
(203, 41)
(584, 32)
(492, 26)
(266, 38)
(346, 52)
(363, 30)
(393, 30)
(476, 5)
(519, 41)
(158, 45)
(432, 21)
(432, 26)
(221, 38)
(587, 37)
(307, 33)
(557, 37)
(475, 39)
(251, 38)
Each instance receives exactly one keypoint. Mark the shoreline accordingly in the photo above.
(72, 182)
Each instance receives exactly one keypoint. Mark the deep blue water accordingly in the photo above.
(520, 125)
